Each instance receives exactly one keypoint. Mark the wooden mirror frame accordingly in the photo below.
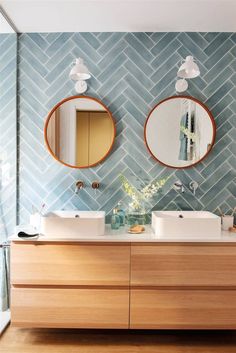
(50, 115)
(213, 127)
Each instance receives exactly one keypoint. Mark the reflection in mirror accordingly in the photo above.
(180, 132)
(80, 132)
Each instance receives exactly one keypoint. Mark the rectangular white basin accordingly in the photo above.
(71, 224)
(186, 224)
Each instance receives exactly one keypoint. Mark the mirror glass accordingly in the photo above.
(80, 132)
(179, 132)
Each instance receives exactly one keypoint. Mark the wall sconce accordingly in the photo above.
(189, 69)
(80, 73)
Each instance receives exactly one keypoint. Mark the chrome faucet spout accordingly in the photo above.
(178, 185)
(193, 185)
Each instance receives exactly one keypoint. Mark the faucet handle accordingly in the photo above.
(95, 185)
(193, 185)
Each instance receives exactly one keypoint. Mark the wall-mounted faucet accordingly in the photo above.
(78, 186)
(178, 185)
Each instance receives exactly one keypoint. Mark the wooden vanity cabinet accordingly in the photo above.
(189, 308)
(183, 286)
(123, 285)
(73, 285)
(183, 264)
(70, 264)
(70, 307)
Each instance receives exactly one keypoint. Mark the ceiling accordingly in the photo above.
(5, 26)
(125, 16)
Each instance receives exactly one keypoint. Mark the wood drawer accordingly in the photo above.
(70, 308)
(183, 265)
(70, 264)
(183, 309)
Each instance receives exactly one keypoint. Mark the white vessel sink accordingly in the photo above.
(71, 224)
(186, 224)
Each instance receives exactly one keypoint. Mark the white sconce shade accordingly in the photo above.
(189, 69)
(79, 71)
(181, 85)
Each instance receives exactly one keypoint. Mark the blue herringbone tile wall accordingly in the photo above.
(130, 73)
(8, 51)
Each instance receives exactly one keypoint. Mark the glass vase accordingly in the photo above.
(136, 216)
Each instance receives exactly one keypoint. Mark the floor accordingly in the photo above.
(84, 341)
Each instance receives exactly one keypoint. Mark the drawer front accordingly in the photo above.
(183, 309)
(70, 308)
(183, 265)
(69, 264)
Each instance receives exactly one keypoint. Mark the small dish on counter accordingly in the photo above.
(136, 229)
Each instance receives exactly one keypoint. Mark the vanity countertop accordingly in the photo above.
(122, 236)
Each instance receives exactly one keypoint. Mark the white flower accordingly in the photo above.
(145, 193)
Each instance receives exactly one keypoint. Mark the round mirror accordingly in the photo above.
(179, 132)
(79, 132)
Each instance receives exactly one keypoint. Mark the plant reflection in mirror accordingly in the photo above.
(187, 133)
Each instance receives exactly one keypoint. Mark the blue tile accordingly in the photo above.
(91, 39)
(139, 116)
(166, 53)
(166, 39)
(216, 43)
(219, 53)
(27, 42)
(138, 87)
(138, 46)
(39, 40)
(130, 72)
(87, 49)
(138, 74)
(138, 156)
(64, 64)
(222, 105)
(58, 43)
(221, 78)
(138, 60)
(198, 39)
(137, 169)
(137, 100)
(114, 65)
(218, 94)
(217, 68)
(144, 39)
(109, 84)
(110, 43)
(34, 61)
(115, 51)
(170, 76)
(193, 49)
(165, 67)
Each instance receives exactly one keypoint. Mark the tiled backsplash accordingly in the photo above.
(131, 72)
(8, 50)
